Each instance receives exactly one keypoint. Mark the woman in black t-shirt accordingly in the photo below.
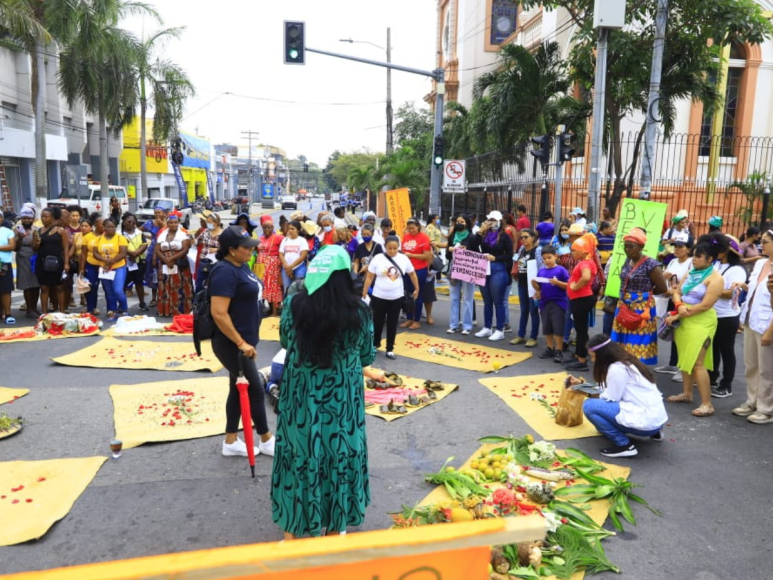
(235, 294)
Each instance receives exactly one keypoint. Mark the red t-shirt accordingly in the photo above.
(522, 223)
(586, 290)
(417, 244)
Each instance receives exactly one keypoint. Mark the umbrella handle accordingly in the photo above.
(240, 361)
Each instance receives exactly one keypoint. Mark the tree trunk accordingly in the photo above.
(103, 162)
(39, 79)
(143, 145)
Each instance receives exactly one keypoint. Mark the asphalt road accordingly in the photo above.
(709, 477)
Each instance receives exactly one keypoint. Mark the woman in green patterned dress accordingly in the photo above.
(320, 482)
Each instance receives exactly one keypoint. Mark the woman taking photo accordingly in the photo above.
(529, 306)
(110, 251)
(757, 317)
(498, 247)
(388, 271)
(630, 404)
(51, 243)
(235, 305)
(208, 243)
(175, 283)
(694, 301)
(728, 309)
(151, 229)
(135, 256)
(462, 293)
(292, 255)
(640, 279)
(320, 475)
(416, 247)
(271, 266)
(25, 278)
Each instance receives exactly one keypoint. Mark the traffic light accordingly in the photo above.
(565, 147)
(542, 149)
(437, 156)
(294, 43)
(305, 167)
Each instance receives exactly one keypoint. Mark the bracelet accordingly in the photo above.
(678, 304)
(239, 344)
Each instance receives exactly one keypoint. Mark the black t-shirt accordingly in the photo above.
(362, 253)
(243, 288)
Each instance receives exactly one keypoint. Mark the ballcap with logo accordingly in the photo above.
(328, 260)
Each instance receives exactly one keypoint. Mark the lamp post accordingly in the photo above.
(388, 49)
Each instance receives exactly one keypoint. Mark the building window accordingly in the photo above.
(730, 119)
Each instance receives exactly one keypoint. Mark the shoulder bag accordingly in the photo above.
(409, 304)
(203, 323)
(626, 317)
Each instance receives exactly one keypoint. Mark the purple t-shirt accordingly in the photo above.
(553, 293)
(545, 232)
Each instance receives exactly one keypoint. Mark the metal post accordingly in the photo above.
(558, 190)
(437, 176)
(765, 205)
(597, 137)
(645, 179)
(389, 93)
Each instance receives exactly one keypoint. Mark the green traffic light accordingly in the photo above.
(438, 160)
(293, 53)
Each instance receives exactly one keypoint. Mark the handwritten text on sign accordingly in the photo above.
(469, 266)
(635, 213)
(398, 208)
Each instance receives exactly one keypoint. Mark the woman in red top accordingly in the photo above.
(417, 247)
(581, 298)
(268, 258)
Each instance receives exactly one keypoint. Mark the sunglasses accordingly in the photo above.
(525, 237)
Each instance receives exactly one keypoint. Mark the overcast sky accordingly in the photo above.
(236, 46)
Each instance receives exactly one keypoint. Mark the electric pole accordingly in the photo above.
(251, 182)
(389, 144)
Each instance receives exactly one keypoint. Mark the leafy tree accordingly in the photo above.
(330, 180)
(695, 33)
(345, 162)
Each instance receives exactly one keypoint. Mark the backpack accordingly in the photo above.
(203, 323)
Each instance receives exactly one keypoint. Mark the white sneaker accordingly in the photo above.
(497, 335)
(236, 449)
(267, 448)
(483, 333)
(451, 331)
(466, 332)
(677, 377)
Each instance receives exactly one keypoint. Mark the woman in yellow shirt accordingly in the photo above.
(110, 251)
(89, 266)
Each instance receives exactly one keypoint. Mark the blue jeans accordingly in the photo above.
(114, 292)
(508, 290)
(569, 325)
(298, 274)
(609, 318)
(461, 291)
(92, 275)
(421, 275)
(529, 307)
(493, 293)
(602, 414)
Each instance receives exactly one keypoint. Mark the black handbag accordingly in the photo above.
(51, 264)
(203, 323)
(437, 263)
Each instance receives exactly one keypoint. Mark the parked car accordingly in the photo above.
(146, 213)
(289, 202)
(94, 202)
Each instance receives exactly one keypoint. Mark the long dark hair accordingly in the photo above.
(325, 320)
(467, 221)
(613, 353)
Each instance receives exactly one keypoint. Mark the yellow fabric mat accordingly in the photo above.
(454, 353)
(145, 412)
(410, 383)
(598, 509)
(161, 356)
(516, 393)
(9, 335)
(36, 494)
(8, 395)
(269, 328)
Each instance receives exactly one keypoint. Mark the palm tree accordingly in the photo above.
(528, 93)
(404, 169)
(363, 177)
(456, 129)
(168, 86)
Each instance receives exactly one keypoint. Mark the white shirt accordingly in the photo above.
(292, 249)
(730, 274)
(388, 283)
(641, 403)
(339, 223)
(674, 268)
(677, 235)
(756, 312)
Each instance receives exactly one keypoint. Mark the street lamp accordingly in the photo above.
(388, 50)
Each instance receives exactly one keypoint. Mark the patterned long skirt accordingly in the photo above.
(175, 293)
(642, 342)
(272, 278)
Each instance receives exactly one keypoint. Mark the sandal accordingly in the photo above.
(680, 398)
(433, 386)
(430, 321)
(406, 324)
(414, 326)
(393, 378)
(703, 411)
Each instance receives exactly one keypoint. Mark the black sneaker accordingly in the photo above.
(620, 451)
(143, 307)
(657, 437)
(566, 347)
(721, 392)
(549, 353)
(577, 366)
(559, 358)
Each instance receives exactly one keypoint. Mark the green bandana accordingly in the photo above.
(694, 278)
(328, 260)
(459, 237)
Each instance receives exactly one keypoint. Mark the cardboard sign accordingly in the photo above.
(398, 208)
(635, 213)
(469, 266)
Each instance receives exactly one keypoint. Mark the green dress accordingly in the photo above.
(320, 474)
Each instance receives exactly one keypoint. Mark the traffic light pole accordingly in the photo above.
(558, 187)
(436, 181)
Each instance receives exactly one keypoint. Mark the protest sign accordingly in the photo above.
(635, 213)
(469, 266)
(398, 208)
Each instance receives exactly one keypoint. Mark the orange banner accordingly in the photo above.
(398, 208)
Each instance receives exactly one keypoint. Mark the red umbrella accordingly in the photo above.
(244, 400)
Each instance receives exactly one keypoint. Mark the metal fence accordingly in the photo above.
(681, 178)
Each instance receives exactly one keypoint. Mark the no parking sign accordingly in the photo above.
(454, 176)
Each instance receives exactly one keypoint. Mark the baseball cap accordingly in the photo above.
(235, 236)
(328, 260)
(495, 215)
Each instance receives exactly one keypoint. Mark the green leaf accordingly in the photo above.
(492, 439)
(524, 572)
